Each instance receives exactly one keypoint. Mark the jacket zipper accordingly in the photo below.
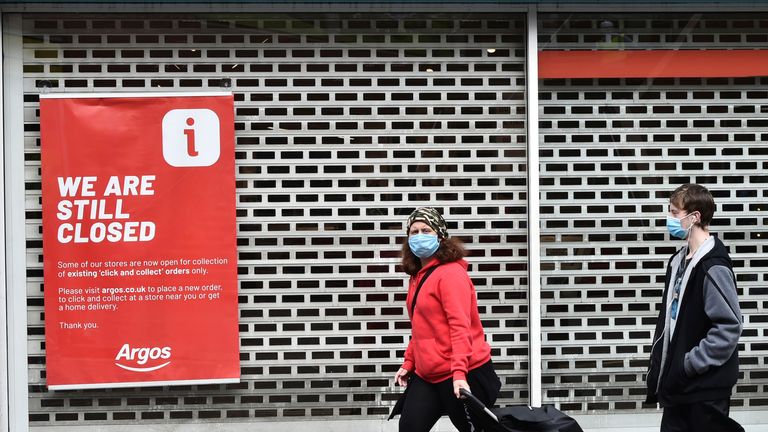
(653, 347)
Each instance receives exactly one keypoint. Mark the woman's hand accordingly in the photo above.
(457, 385)
(401, 377)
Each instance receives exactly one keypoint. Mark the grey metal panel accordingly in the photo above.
(344, 123)
(14, 237)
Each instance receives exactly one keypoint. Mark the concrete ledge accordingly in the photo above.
(753, 421)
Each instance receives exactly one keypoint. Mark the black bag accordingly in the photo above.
(398, 408)
(520, 418)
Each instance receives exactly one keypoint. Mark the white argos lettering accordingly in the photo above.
(141, 356)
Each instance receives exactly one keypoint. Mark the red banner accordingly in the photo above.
(139, 239)
(653, 64)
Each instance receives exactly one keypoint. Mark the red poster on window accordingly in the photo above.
(139, 240)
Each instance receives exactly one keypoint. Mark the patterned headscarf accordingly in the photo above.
(431, 217)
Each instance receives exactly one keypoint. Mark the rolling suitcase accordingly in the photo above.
(520, 418)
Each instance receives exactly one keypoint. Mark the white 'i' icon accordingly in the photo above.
(191, 137)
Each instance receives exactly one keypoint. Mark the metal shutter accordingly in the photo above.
(612, 150)
(344, 123)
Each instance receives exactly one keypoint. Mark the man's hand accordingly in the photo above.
(459, 384)
(401, 377)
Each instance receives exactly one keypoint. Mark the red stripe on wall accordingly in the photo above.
(653, 64)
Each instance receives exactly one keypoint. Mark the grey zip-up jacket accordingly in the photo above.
(694, 357)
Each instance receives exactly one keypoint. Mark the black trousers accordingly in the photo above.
(425, 402)
(708, 416)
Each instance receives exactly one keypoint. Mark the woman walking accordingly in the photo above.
(447, 350)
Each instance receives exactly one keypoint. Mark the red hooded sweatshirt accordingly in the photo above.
(447, 338)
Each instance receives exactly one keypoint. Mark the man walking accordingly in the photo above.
(694, 357)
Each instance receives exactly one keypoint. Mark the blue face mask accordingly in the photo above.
(423, 245)
(675, 227)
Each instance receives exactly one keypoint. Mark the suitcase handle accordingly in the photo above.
(477, 403)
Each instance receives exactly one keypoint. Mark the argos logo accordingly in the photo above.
(140, 356)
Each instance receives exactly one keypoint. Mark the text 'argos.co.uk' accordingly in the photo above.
(110, 299)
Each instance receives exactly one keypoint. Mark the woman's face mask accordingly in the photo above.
(423, 245)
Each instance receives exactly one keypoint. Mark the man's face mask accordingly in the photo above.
(675, 227)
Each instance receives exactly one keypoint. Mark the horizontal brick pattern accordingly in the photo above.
(611, 152)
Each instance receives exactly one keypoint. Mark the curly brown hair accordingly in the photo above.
(451, 249)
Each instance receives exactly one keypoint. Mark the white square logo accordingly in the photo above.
(191, 137)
